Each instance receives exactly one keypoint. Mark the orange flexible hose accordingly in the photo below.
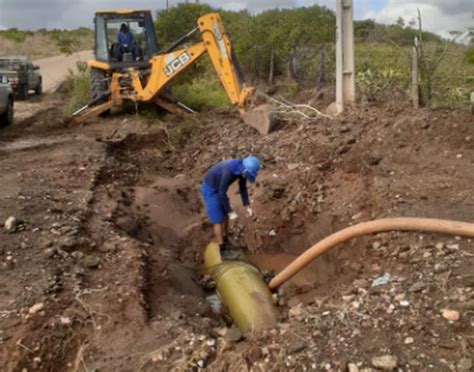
(387, 224)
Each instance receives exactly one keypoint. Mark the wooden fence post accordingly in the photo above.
(257, 62)
(472, 103)
(322, 69)
(414, 77)
(272, 67)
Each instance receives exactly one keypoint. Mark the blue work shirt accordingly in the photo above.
(222, 175)
(125, 40)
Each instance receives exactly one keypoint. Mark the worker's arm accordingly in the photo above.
(226, 180)
(244, 194)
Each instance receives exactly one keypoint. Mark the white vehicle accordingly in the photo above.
(6, 101)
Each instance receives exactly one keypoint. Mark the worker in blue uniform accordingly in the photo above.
(126, 43)
(214, 189)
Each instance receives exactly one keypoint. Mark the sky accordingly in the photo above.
(440, 16)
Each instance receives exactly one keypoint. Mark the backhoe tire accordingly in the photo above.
(99, 86)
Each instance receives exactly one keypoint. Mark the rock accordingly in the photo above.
(439, 246)
(294, 301)
(292, 166)
(296, 311)
(375, 158)
(234, 335)
(200, 363)
(77, 255)
(50, 252)
(129, 225)
(451, 315)
(296, 346)
(417, 287)
(361, 283)
(345, 129)
(399, 297)
(351, 367)
(64, 320)
(36, 308)
(36, 362)
(211, 342)
(11, 224)
(464, 365)
(220, 331)
(409, 340)
(385, 362)
(351, 140)
(440, 268)
(381, 280)
(108, 247)
(469, 305)
(404, 303)
(91, 262)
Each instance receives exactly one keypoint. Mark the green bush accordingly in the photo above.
(202, 92)
(379, 84)
(77, 87)
(469, 56)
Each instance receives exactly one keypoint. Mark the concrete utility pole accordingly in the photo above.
(345, 68)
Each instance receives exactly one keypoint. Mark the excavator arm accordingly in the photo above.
(216, 43)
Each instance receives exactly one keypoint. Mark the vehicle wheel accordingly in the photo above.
(99, 86)
(39, 89)
(7, 117)
(23, 92)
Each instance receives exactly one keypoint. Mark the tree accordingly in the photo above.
(400, 22)
(173, 23)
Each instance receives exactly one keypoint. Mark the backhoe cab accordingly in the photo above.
(129, 66)
(110, 53)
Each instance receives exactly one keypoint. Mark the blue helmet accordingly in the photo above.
(252, 166)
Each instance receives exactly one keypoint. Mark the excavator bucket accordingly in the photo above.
(262, 118)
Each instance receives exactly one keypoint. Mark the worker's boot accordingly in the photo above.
(230, 250)
(226, 246)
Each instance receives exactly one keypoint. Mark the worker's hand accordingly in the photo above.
(233, 216)
(250, 212)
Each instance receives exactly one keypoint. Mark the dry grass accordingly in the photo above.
(34, 47)
(41, 45)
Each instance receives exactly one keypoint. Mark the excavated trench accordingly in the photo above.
(166, 213)
(161, 207)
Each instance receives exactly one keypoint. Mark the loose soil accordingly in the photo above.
(103, 269)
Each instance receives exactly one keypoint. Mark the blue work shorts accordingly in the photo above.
(214, 209)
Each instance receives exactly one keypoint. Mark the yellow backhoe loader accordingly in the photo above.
(129, 66)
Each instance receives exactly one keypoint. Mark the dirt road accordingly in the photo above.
(54, 69)
(101, 270)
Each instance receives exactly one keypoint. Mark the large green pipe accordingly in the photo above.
(243, 290)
